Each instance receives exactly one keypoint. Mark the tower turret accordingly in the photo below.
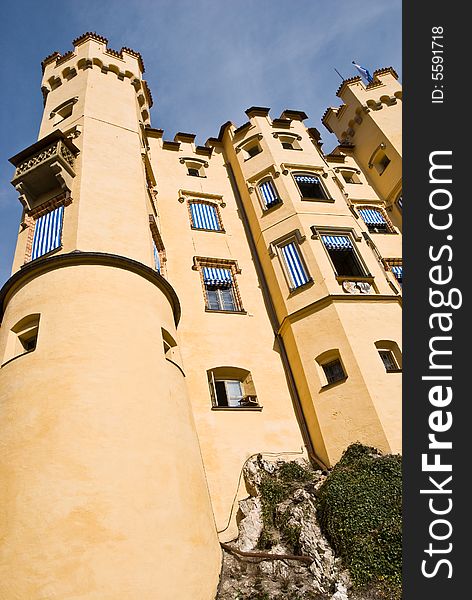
(367, 127)
(101, 474)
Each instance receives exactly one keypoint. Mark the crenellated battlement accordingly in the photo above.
(91, 52)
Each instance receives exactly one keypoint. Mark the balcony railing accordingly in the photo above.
(44, 169)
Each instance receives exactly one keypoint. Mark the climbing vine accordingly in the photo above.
(360, 511)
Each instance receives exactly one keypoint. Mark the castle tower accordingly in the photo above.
(324, 240)
(103, 490)
(368, 127)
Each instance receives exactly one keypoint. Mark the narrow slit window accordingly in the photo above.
(388, 360)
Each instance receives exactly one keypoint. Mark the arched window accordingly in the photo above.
(23, 337)
(330, 367)
(390, 355)
(232, 387)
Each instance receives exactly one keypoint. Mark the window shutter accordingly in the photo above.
(337, 242)
(204, 216)
(371, 216)
(211, 383)
(47, 233)
(269, 195)
(298, 275)
(216, 276)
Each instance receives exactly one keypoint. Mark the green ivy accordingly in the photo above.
(360, 511)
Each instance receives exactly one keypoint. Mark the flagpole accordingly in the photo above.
(338, 73)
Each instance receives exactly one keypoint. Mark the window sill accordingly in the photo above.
(326, 200)
(366, 278)
(15, 357)
(272, 207)
(393, 370)
(238, 408)
(197, 176)
(226, 312)
(328, 386)
(301, 288)
(204, 229)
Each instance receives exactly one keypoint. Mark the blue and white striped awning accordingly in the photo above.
(157, 258)
(296, 270)
(269, 194)
(307, 179)
(337, 242)
(371, 216)
(398, 272)
(204, 216)
(217, 276)
(47, 233)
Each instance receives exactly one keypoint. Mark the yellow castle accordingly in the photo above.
(174, 309)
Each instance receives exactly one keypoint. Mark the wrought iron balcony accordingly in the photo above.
(44, 169)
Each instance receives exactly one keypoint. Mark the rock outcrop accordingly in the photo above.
(279, 518)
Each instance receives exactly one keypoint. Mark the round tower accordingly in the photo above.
(103, 490)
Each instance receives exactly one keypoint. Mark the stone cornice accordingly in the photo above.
(41, 266)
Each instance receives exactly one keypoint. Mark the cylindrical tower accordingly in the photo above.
(103, 490)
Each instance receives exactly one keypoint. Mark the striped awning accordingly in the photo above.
(371, 216)
(398, 272)
(157, 258)
(337, 242)
(269, 195)
(47, 233)
(204, 216)
(307, 179)
(217, 276)
(296, 270)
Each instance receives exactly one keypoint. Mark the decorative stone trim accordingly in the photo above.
(50, 263)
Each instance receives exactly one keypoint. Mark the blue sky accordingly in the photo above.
(206, 62)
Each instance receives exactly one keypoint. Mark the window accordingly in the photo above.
(171, 350)
(390, 355)
(388, 360)
(63, 111)
(158, 249)
(350, 177)
(381, 162)
(399, 202)
(48, 233)
(395, 265)
(343, 256)
(289, 142)
(232, 387)
(294, 267)
(204, 215)
(252, 150)
(375, 220)
(194, 168)
(220, 289)
(269, 194)
(333, 371)
(310, 187)
(23, 337)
